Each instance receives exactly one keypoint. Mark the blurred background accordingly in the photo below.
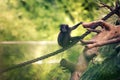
(29, 29)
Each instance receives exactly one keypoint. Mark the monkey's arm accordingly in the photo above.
(75, 26)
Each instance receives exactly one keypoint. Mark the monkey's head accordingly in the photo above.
(64, 28)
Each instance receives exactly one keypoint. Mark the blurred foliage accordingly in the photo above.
(24, 20)
(40, 19)
(41, 70)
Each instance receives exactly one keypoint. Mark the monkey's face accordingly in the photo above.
(64, 28)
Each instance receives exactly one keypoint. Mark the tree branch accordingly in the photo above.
(107, 6)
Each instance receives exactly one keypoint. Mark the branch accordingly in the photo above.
(105, 5)
(115, 11)
(117, 3)
(93, 27)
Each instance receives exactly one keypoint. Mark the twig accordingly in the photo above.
(105, 5)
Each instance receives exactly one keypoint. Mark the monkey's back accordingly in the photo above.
(63, 39)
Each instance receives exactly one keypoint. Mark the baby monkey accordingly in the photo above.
(64, 37)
